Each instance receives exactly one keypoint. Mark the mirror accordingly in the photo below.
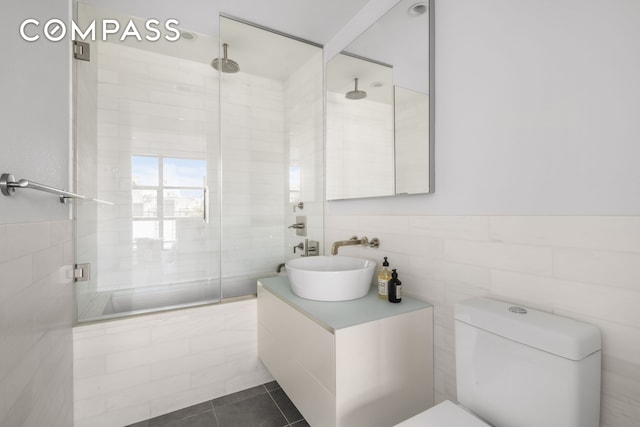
(379, 127)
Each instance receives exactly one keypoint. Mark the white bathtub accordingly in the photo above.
(128, 302)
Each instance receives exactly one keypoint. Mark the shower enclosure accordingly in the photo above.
(201, 166)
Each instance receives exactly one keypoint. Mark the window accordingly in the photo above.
(294, 183)
(163, 191)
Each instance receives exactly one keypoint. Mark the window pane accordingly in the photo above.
(169, 230)
(184, 172)
(180, 202)
(145, 230)
(144, 203)
(144, 171)
(294, 183)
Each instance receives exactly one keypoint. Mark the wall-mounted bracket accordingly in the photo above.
(81, 51)
(82, 272)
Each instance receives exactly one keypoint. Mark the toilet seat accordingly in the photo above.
(445, 414)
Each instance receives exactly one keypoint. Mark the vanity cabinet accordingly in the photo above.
(364, 362)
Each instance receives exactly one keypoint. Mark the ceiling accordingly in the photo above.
(257, 51)
(271, 55)
(314, 20)
(265, 53)
(401, 39)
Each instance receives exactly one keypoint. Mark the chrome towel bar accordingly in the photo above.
(8, 185)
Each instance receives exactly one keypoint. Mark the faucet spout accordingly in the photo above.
(351, 242)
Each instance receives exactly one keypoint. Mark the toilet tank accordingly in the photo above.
(519, 367)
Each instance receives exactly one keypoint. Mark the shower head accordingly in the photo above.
(355, 94)
(225, 64)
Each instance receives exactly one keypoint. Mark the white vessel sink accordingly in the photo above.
(330, 278)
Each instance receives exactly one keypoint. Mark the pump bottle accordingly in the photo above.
(384, 275)
(395, 288)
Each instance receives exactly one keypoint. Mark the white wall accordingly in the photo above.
(36, 252)
(535, 107)
(35, 112)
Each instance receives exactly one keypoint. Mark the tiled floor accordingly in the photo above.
(263, 406)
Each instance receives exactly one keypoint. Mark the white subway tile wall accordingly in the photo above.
(359, 135)
(304, 143)
(253, 187)
(150, 104)
(133, 369)
(583, 267)
(36, 315)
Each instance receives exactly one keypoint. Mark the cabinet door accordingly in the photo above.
(384, 370)
(300, 355)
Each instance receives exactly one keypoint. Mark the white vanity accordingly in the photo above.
(358, 363)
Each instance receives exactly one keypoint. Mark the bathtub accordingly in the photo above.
(114, 304)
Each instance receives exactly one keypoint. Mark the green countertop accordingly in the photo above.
(341, 314)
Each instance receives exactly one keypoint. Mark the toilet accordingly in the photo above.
(519, 367)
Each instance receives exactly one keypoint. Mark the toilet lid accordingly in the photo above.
(445, 414)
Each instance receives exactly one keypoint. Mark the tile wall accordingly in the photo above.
(359, 144)
(583, 267)
(303, 128)
(411, 132)
(134, 369)
(152, 104)
(36, 315)
(253, 160)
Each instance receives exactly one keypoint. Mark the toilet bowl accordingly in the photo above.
(445, 414)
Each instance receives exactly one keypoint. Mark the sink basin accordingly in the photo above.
(330, 278)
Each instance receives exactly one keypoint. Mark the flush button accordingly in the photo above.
(518, 310)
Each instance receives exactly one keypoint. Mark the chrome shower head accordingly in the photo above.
(225, 64)
(355, 94)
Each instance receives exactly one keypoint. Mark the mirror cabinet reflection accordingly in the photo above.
(380, 108)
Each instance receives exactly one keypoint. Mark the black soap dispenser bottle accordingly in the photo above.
(395, 287)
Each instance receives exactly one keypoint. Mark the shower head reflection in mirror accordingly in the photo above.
(398, 159)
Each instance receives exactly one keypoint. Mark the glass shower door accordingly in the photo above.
(202, 167)
(271, 151)
(147, 141)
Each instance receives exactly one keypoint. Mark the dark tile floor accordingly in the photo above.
(266, 405)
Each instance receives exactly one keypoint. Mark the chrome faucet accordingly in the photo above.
(363, 241)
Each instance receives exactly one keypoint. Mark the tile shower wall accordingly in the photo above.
(36, 314)
(134, 369)
(253, 159)
(583, 267)
(304, 144)
(154, 105)
(359, 132)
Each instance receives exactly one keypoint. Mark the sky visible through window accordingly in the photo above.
(164, 189)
